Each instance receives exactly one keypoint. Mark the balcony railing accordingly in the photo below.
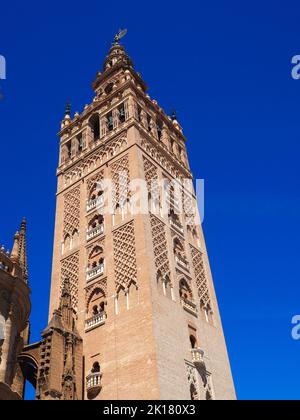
(97, 202)
(95, 272)
(93, 381)
(176, 225)
(182, 263)
(92, 233)
(198, 357)
(95, 321)
(189, 306)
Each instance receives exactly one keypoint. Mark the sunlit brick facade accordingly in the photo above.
(146, 323)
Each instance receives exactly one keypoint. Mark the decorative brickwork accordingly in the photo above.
(188, 208)
(121, 178)
(151, 177)
(71, 211)
(163, 160)
(201, 282)
(160, 245)
(125, 256)
(70, 270)
(97, 158)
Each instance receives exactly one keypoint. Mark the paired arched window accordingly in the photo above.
(96, 257)
(164, 285)
(178, 248)
(96, 191)
(97, 220)
(70, 241)
(96, 303)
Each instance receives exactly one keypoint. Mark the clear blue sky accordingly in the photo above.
(225, 66)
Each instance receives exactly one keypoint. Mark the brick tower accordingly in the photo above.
(141, 289)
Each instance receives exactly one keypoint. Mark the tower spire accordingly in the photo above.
(22, 251)
(117, 53)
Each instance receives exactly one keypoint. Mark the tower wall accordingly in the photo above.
(141, 287)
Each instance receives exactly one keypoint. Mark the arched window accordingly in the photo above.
(95, 256)
(164, 285)
(67, 243)
(133, 296)
(108, 89)
(97, 220)
(96, 191)
(121, 301)
(185, 291)
(206, 311)
(95, 126)
(96, 367)
(193, 341)
(65, 153)
(178, 248)
(96, 303)
(75, 239)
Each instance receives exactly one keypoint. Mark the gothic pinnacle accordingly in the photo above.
(15, 251)
(22, 252)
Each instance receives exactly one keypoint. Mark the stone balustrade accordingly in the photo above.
(182, 262)
(189, 306)
(93, 381)
(95, 272)
(95, 321)
(198, 357)
(93, 204)
(92, 233)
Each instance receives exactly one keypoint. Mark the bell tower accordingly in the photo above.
(128, 240)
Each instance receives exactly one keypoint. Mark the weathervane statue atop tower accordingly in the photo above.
(120, 35)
